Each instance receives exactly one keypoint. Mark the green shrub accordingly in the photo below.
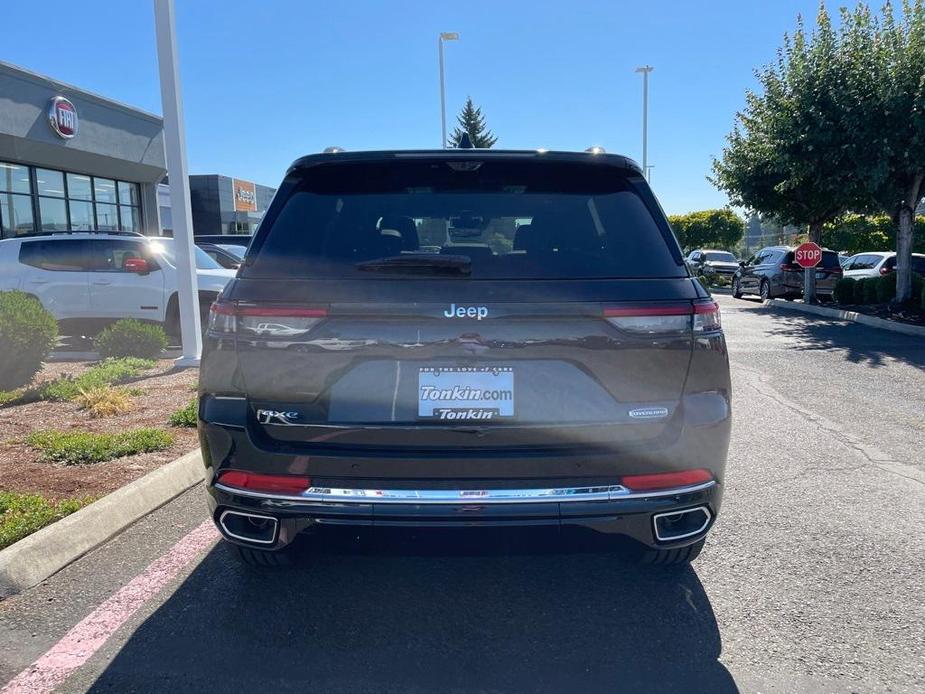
(886, 288)
(105, 373)
(870, 290)
(844, 290)
(27, 334)
(131, 338)
(859, 291)
(23, 514)
(82, 447)
(187, 415)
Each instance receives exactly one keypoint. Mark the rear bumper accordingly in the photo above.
(605, 510)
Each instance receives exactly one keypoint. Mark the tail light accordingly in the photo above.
(263, 321)
(790, 267)
(666, 480)
(292, 484)
(701, 316)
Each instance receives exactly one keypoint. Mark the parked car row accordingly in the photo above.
(710, 262)
(878, 263)
(87, 280)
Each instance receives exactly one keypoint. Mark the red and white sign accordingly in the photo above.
(808, 255)
(62, 117)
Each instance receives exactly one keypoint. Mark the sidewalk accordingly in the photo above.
(850, 316)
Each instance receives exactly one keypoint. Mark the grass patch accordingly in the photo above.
(186, 416)
(105, 401)
(8, 396)
(83, 447)
(23, 514)
(106, 373)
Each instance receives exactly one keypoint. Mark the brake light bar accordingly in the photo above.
(265, 320)
(666, 480)
(297, 311)
(666, 318)
(254, 481)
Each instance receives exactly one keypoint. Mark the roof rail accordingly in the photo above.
(32, 234)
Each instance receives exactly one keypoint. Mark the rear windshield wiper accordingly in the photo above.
(419, 263)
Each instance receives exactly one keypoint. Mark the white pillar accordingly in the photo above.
(175, 145)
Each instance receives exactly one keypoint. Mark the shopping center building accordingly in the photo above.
(74, 160)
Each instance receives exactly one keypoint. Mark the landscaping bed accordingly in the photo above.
(83, 429)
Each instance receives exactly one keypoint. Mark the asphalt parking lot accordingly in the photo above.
(811, 581)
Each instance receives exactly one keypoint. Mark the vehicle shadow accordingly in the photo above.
(860, 344)
(412, 618)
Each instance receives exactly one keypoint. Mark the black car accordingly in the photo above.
(465, 339)
(228, 255)
(772, 272)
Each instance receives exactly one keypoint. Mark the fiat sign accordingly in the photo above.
(808, 255)
(62, 116)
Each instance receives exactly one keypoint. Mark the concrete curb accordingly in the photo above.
(36, 557)
(850, 316)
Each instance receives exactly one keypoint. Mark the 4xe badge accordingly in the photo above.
(62, 117)
(277, 417)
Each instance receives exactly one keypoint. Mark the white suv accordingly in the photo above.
(878, 263)
(92, 279)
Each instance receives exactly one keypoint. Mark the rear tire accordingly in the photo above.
(673, 557)
(261, 558)
(736, 288)
(765, 291)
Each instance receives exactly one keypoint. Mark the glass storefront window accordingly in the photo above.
(131, 219)
(49, 183)
(81, 215)
(65, 200)
(128, 193)
(107, 218)
(14, 178)
(105, 189)
(15, 215)
(53, 214)
(79, 187)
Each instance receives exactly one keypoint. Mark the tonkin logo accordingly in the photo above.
(62, 117)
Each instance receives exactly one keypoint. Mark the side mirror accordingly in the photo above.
(741, 263)
(137, 265)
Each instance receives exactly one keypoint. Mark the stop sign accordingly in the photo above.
(808, 254)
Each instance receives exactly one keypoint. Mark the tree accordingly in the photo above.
(471, 121)
(789, 155)
(888, 111)
(708, 229)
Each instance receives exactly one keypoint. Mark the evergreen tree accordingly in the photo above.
(471, 121)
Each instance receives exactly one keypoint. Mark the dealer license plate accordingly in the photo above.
(465, 393)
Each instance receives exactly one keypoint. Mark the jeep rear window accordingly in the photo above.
(511, 219)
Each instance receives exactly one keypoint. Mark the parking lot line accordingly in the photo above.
(89, 635)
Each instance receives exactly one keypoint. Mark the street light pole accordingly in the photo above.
(645, 70)
(175, 146)
(445, 36)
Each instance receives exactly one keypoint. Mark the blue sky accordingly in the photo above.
(267, 81)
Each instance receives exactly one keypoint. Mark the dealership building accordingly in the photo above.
(220, 205)
(74, 160)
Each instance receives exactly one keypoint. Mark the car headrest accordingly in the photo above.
(520, 237)
(405, 227)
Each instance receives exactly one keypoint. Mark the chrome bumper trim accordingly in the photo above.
(465, 496)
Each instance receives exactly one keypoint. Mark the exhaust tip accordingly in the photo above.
(249, 527)
(677, 525)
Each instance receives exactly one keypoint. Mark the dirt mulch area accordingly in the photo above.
(910, 316)
(163, 392)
